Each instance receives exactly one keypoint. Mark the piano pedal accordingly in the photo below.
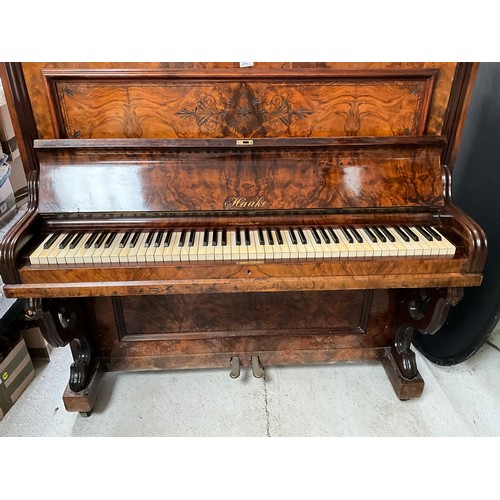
(235, 371)
(257, 368)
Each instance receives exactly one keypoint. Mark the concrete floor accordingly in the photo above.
(328, 400)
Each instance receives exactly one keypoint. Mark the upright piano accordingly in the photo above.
(206, 215)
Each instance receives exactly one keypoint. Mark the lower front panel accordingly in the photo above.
(202, 330)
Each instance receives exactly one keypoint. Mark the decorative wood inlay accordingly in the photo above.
(218, 103)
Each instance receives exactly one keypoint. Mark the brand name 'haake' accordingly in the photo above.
(244, 202)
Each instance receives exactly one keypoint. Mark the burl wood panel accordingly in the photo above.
(167, 104)
(242, 313)
(368, 326)
(347, 121)
(156, 179)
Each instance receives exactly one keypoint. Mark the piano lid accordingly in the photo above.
(214, 175)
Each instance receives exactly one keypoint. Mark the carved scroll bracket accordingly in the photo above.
(423, 310)
(62, 322)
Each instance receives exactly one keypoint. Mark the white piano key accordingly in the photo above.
(219, 249)
(202, 248)
(243, 246)
(142, 248)
(193, 250)
(235, 249)
(184, 249)
(259, 247)
(284, 248)
(252, 250)
(210, 249)
(292, 247)
(115, 249)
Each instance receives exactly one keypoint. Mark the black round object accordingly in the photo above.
(476, 189)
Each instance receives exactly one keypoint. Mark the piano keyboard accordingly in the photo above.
(243, 244)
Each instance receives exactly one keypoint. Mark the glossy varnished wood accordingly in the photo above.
(281, 175)
(153, 145)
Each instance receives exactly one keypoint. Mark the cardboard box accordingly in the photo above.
(38, 347)
(16, 372)
(8, 207)
(7, 134)
(17, 176)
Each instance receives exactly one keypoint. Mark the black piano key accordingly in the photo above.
(91, 239)
(168, 237)
(401, 233)
(279, 238)
(76, 240)
(109, 241)
(51, 241)
(424, 233)
(302, 236)
(388, 234)
(270, 237)
(66, 240)
(125, 238)
(335, 238)
(238, 237)
(261, 237)
(325, 236)
(191, 238)
(358, 237)
(100, 240)
(370, 235)
(149, 239)
(158, 238)
(316, 237)
(379, 234)
(247, 237)
(434, 233)
(206, 236)
(182, 238)
(347, 235)
(133, 241)
(223, 239)
(410, 233)
(292, 236)
(214, 237)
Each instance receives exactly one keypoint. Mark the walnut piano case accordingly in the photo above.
(210, 180)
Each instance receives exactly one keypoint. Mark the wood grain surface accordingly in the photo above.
(365, 109)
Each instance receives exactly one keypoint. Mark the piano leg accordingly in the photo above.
(67, 321)
(424, 310)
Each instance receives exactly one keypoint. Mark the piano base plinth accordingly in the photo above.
(404, 388)
(193, 331)
(83, 401)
